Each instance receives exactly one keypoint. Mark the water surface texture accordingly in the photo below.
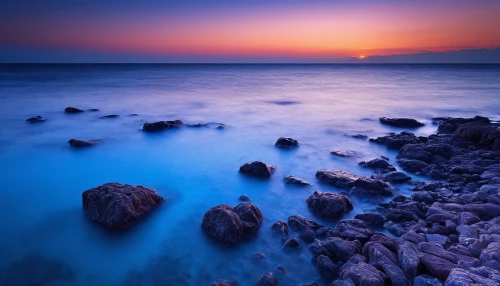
(42, 177)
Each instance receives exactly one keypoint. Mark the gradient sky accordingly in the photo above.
(250, 31)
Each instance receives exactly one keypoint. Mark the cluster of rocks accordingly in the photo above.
(172, 124)
(357, 185)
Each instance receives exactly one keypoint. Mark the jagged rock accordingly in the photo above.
(257, 169)
(448, 125)
(267, 279)
(329, 205)
(359, 136)
(72, 110)
(378, 164)
(292, 180)
(397, 141)
(280, 228)
(161, 125)
(286, 143)
(408, 258)
(371, 187)
(244, 198)
(342, 250)
(487, 135)
(231, 226)
(117, 206)
(326, 267)
(299, 224)
(197, 125)
(401, 122)
(353, 229)
(361, 273)
(36, 119)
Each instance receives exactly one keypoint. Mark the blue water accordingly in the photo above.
(42, 178)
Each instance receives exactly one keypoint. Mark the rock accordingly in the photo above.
(361, 273)
(337, 178)
(280, 228)
(72, 110)
(382, 258)
(467, 218)
(371, 219)
(197, 125)
(225, 283)
(412, 166)
(342, 250)
(299, 224)
(161, 125)
(371, 187)
(401, 122)
(487, 135)
(329, 205)
(308, 236)
(426, 280)
(117, 206)
(36, 119)
(257, 169)
(93, 110)
(408, 258)
(231, 226)
(258, 256)
(378, 164)
(267, 279)
(448, 125)
(437, 238)
(286, 143)
(397, 141)
(462, 277)
(292, 243)
(354, 229)
(292, 180)
(109, 116)
(326, 267)
(346, 153)
(82, 143)
(244, 198)
(359, 136)
(396, 177)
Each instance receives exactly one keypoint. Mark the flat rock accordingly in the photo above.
(286, 143)
(329, 205)
(36, 119)
(292, 180)
(109, 116)
(396, 177)
(72, 110)
(161, 125)
(337, 178)
(117, 206)
(345, 154)
(257, 169)
(78, 143)
(401, 122)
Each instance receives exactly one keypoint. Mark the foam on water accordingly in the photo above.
(196, 168)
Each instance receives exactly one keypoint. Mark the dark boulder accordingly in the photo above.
(448, 125)
(161, 125)
(292, 180)
(337, 178)
(378, 164)
(462, 277)
(361, 273)
(326, 267)
(267, 279)
(257, 169)
(82, 143)
(359, 136)
(231, 226)
(426, 280)
(401, 122)
(286, 143)
(292, 243)
(342, 250)
(109, 116)
(117, 206)
(72, 110)
(354, 229)
(371, 187)
(346, 153)
(244, 198)
(371, 219)
(36, 119)
(397, 141)
(299, 224)
(93, 110)
(396, 177)
(195, 125)
(486, 135)
(329, 205)
(280, 228)
(408, 258)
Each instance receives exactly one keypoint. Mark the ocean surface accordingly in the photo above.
(45, 235)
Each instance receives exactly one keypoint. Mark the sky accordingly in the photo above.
(212, 31)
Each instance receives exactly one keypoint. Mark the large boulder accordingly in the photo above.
(257, 169)
(448, 125)
(329, 205)
(286, 143)
(300, 224)
(342, 250)
(117, 206)
(487, 135)
(401, 122)
(232, 225)
(161, 125)
(337, 178)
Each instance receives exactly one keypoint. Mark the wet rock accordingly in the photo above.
(197, 125)
(78, 143)
(109, 116)
(461, 277)
(244, 198)
(292, 180)
(382, 258)
(359, 136)
(408, 258)
(36, 119)
(437, 238)
(225, 283)
(161, 125)
(116, 206)
(258, 256)
(487, 135)
(401, 122)
(93, 110)
(299, 224)
(354, 229)
(308, 236)
(373, 219)
(346, 153)
(337, 178)
(72, 110)
(448, 125)
(231, 226)
(257, 169)
(411, 165)
(286, 143)
(326, 267)
(426, 280)
(397, 141)
(329, 205)
(378, 164)
(292, 243)
(396, 177)
(371, 187)
(342, 250)
(361, 273)
(267, 279)
(280, 228)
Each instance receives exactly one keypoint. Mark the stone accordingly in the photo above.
(286, 143)
(326, 267)
(109, 116)
(280, 228)
(225, 283)
(462, 277)
(78, 143)
(426, 280)
(72, 110)
(292, 180)
(299, 224)
(342, 250)
(161, 125)
(244, 198)
(36, 119)
(371, 219)
(329, 205)
(346, 153)
(361, 273)
(116, 206)
(396, 177)
(448, 125)
(397, 141)
(377, 164)
(371, 187)
(337, 178)
(267, 279)
(401, 122)
(257, 169)
(292, 243)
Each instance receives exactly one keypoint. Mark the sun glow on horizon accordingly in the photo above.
(362, 57)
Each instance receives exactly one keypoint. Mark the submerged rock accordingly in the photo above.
(244, 198)
(117, 206)
(286, 143)
(36, 119)
(401, 122)
(267, 279)
(346, 153)
(161, 125)
(109, 116)
(93, 110)
(292, 180)
(72, 110)
(329, 205)
(280, 228)
(359, 136)
(197, 125)
(232, 225)
(78, 143)
(257, 169)
(225, 283)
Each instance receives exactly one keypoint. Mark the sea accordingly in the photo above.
(46, 238)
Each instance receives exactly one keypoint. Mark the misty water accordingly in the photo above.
(42, 177)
